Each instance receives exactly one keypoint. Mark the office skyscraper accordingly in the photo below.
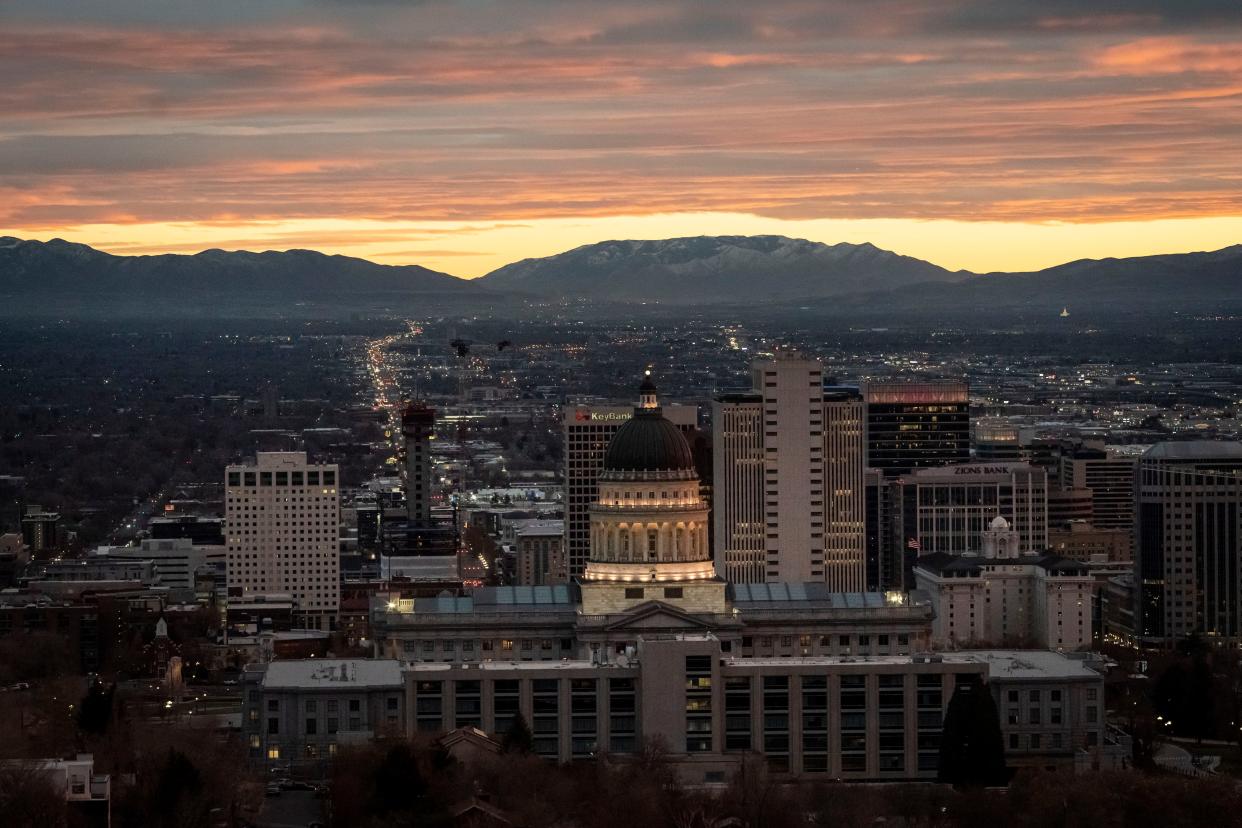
(884, 560)
(845, 448)
(784, 414)
(418, 423)
(1189, 540)
(587, 430)
(281, 521)
(789, 499)
(915, 425)
(1108, 475)
(738, 528)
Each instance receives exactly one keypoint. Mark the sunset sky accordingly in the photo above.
(981, 134)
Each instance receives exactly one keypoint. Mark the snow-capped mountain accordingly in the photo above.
(714, 269)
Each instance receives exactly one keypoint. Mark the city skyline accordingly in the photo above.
(985, 136)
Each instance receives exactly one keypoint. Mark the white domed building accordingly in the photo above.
(649, 524)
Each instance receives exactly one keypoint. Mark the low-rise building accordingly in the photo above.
(874, 718)
(302, 710)
(87, 795)
(1052, 711)
(1004, 596)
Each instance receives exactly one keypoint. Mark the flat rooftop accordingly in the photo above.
(332, 673)
(852, 661)
(1195, 450)
(1031, 664)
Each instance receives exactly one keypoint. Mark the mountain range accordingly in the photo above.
(704, 270)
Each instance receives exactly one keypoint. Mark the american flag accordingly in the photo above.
(913, 543)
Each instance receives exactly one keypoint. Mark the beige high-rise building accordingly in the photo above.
(845, 451)
(788, 493)
(281, 521)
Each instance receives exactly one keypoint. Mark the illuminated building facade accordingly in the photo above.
(648, 523)
(914, 425)
(587, 432)
(789, 492)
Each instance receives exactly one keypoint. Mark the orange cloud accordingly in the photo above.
(1163, 55)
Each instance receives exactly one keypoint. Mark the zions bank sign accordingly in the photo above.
(980, 470)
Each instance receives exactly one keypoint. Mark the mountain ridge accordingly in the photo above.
(690, 271)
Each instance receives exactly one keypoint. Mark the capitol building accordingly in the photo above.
(650, 572)
(649, 524)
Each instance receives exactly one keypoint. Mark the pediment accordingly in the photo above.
(656, 615)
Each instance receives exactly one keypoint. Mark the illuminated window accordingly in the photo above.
(273, 753)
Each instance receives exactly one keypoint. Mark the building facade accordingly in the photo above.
(1004, 596)
(845, 519)
(418, 425)
(1108, 475)
(1188, 541)
(914, 425)
(299, 711)
(282, 518)
(947, 509)
(789, 491)
(175, 560)
(852, 718)
(539, 553)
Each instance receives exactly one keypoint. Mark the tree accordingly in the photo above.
(972, 749)
(517, 738)
(398, 781)
(95, 712)
(28, 797)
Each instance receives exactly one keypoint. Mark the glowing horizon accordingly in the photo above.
(944, 243)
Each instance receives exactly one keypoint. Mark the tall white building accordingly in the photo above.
(588, 429)
(788, 493)
(281, 520)
(1004, 595)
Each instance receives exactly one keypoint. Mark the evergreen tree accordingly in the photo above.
(517, 738)
(398, 782)
(95, 712)
(972, 749)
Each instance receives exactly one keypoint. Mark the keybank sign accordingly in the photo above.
(583, 414)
